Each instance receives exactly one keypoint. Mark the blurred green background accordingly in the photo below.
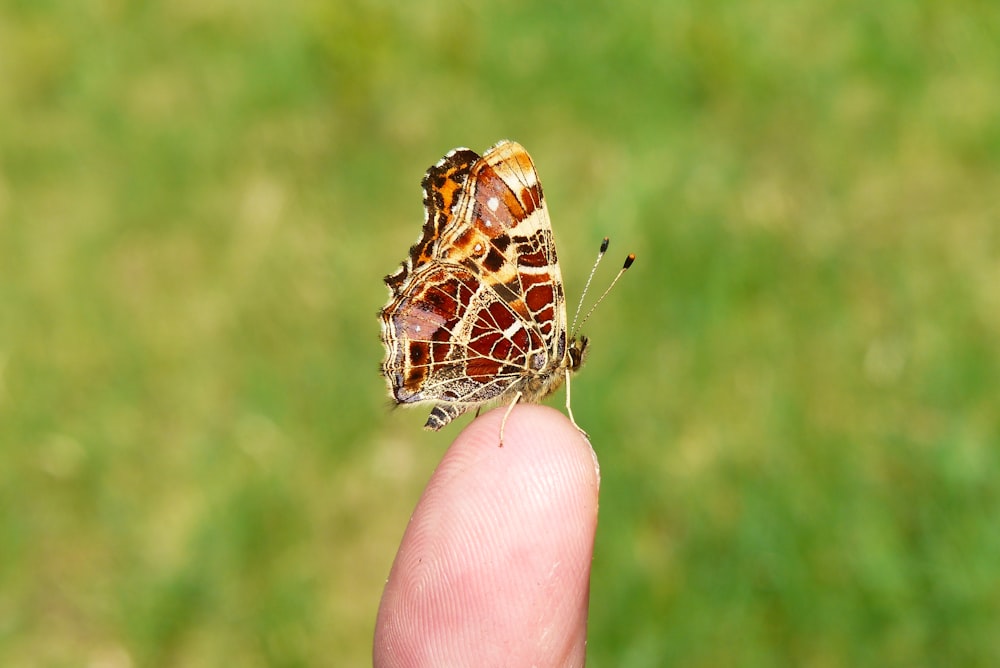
(793, 393)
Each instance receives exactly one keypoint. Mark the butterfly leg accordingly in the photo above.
(503, 422)
(569, 409)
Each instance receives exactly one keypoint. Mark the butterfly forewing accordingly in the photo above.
(477, 311)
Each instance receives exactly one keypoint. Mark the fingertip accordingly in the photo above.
(537, 436)
(496, 559)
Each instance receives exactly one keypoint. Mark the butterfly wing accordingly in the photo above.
(503, 233)
(443, 186)
(477, 310)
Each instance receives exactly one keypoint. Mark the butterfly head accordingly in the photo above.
(577, 351)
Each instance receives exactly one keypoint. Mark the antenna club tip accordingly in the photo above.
(604, 244)
(628, 261)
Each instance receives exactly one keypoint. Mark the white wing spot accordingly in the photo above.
(478, 248)
(493, 203)
(514, 328)
(416, 328)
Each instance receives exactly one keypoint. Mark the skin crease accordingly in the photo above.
(494, 566)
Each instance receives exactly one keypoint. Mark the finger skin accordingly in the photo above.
(494, 567)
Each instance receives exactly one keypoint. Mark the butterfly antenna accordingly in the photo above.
(628, 263)
(593, 270)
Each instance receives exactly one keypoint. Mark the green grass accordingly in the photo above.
(793, 393)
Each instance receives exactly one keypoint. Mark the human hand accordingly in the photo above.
(494, 566)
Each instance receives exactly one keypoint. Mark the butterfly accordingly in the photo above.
(477, 313)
